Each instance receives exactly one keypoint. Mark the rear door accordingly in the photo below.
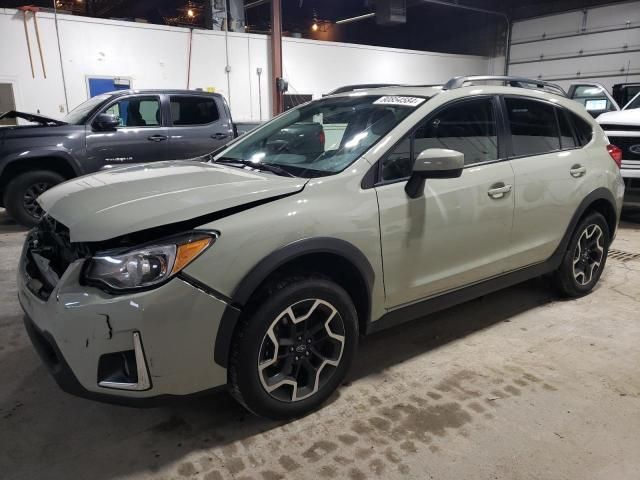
(140, 137)
(550, 173)
(594, 97)
(198, 125)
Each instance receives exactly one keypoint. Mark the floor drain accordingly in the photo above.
(623, 256)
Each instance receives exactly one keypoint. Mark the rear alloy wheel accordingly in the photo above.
(293, 348)
(21, 194)
(588, 254)
(585, 257)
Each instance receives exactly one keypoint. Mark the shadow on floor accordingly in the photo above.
(75, 436)
(7, 225)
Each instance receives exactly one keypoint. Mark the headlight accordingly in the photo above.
(146, 266)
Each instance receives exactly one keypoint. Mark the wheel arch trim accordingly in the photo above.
(271, 263)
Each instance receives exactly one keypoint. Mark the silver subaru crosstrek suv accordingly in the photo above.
(259, 268)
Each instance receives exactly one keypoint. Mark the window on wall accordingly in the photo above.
(468, 127)
(193, 110)
(137, 112)
(534, 129)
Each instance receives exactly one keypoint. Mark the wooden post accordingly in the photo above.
(276, 53)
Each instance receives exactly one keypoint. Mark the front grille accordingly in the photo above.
(612, 127)
(49, 254)
(630, 147)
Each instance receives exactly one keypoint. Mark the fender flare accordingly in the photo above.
(270, 264)
(42, 153)
(598, 194)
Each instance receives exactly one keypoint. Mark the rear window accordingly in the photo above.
(534, 129)
(193, 110)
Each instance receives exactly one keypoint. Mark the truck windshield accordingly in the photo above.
(322, 137)
(79, 114)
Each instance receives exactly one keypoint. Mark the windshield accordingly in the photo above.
(79, 114)
(633, 103)
(322, 137)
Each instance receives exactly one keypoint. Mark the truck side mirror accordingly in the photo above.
(433, 163)
(105, 121)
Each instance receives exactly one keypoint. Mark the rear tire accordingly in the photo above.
(21, 194)
(585, 257)
(315, 327)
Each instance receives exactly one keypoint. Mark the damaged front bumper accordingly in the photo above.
(130, 348)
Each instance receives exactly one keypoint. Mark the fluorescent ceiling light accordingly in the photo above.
(356, 19)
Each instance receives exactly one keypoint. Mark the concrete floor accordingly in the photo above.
(516, 385)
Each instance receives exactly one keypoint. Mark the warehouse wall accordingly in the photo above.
(155, 56)
(597, 44)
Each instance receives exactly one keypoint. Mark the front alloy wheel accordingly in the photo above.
(30, 196)
(293, 346)
(301, 350)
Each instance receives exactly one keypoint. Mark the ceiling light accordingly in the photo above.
(355, 19)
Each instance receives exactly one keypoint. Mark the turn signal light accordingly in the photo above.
(189, 251)
(616, 154)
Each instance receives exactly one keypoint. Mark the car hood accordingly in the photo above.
(112, 203)
(623, 117)
(32, 117)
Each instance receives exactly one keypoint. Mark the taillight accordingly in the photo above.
(616, 154)
(321, 138)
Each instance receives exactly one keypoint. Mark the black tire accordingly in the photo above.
(21, 192)
(247, 382)
(579, 279)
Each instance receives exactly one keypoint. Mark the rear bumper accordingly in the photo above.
(78, 326)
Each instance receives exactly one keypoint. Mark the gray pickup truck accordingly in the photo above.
(128, 126)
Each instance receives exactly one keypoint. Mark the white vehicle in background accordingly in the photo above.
(623, 130)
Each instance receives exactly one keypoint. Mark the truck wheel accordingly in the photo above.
(585, 258)
(21, 194)
(295, 349)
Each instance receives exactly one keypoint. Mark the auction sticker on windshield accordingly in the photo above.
(396, 100)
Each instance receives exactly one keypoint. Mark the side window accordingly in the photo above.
(137, 112)
(468, 127)
(193, 110)
(584, 130)
(566, 133)
(534, 129)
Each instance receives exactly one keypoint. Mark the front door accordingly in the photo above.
(458, 233)
(199, 125)
(140, 137)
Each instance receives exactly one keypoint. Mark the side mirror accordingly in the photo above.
(105, 121)
(433, 163)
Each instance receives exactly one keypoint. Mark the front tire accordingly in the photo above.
(585, 258)
(295, 348)
(21, 194)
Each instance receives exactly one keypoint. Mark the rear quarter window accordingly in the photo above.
(584, 129)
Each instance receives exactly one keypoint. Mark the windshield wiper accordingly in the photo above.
(269, 167)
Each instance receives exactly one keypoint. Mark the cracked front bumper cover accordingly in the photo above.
(77, 324)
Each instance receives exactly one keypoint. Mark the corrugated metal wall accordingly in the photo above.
(599, 44)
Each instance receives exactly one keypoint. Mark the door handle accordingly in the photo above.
(499, 190)
(219, 136)
(157, 138)
(577, 171)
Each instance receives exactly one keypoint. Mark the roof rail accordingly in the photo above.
(457, 82)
